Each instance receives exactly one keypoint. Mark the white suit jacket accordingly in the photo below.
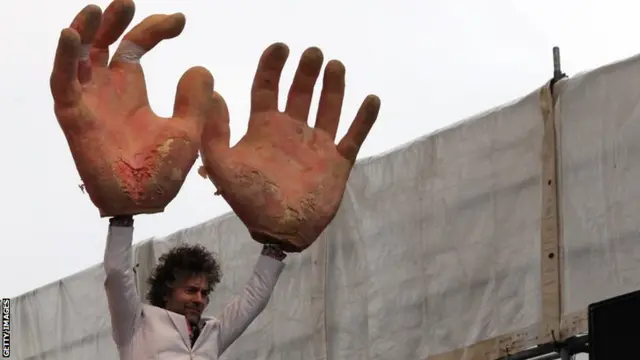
(145, 332)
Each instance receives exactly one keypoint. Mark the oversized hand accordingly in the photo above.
(284, 179)
(130, 160)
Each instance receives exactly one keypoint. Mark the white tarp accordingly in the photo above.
(436, 245)
(599, 116)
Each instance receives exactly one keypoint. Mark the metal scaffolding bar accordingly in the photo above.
(553, 351)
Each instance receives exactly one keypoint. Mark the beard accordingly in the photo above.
(193, 314)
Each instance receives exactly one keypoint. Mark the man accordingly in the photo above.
(284, 179)
(172, 326)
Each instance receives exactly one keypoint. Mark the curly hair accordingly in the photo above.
(180, 262)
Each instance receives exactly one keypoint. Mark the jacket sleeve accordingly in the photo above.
(240, 313)
(124, 303)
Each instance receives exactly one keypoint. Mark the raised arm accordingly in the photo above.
(240, 313)
(124, 303)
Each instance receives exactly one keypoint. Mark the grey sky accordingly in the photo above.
(430, 65)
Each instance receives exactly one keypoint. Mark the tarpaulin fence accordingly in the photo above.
(479, 240)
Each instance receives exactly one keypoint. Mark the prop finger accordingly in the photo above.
(115, 21)
(350, 144)
(331, 98)
(145, 36)
(86, 24)
(64, 83)
(264, 92)
(301, 92)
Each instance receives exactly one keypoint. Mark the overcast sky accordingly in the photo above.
(430, 65)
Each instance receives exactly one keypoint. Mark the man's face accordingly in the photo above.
(190, 297)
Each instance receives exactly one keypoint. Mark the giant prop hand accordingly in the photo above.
(130, 160)
(284, 179)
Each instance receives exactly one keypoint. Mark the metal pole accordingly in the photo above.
(553, 351)
(539, 350)
(557, 70)
(554, 356)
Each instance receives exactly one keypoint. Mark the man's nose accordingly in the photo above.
(198, 298)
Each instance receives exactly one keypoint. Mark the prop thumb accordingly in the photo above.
(193, 96)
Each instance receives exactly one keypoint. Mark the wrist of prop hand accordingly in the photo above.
(121, 221)
(273, 251)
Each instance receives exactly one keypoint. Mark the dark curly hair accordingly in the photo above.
(180, 262)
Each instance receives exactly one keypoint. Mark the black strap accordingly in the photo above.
(121, 221)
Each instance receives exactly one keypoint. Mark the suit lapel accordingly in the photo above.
(180, 322)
